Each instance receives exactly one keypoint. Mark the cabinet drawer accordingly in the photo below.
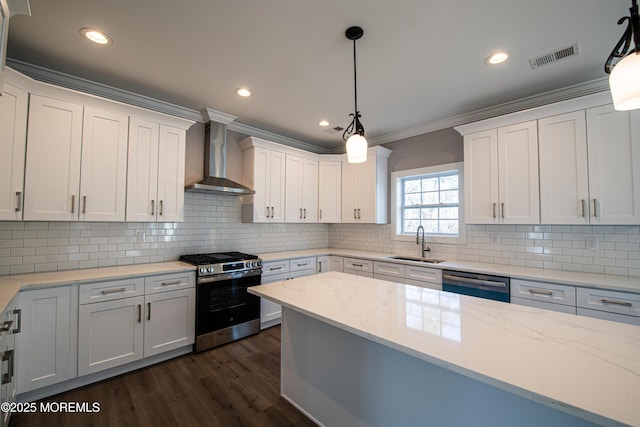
(605, 315)
(609, 301)
(542, 291)
(424, 284)
(169, 282)
(358, 264)
(111, 290)
(275, 267)
(388, 269)
(424, 274)
(299, 264)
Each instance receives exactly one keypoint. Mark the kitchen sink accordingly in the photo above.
(425, 260)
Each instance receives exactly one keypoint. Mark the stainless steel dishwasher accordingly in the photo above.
(477, 285)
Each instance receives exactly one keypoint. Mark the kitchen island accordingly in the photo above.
(360, 351)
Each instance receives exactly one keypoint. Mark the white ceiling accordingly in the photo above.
(419, 61)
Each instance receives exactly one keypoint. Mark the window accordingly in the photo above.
(431, 197)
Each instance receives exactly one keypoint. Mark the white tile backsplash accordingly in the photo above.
(556, 247)
(212, 223)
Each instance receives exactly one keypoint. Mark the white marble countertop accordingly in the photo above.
(11, 285)
(602, 281)
(586, 367)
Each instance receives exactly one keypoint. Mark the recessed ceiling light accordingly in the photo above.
(244, 92)
(497, 57)
(96, 36)
(323, 123)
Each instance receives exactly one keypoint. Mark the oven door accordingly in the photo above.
(224, 303)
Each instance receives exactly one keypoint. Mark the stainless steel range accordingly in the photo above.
(225, 311)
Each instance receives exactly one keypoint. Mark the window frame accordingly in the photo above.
(396, 203)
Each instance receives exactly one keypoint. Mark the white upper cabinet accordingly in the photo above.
(613, 144)
(501, 170)
(364, 188)
(8, 9)
(301, 189)
(264, 171)
(155, 178)
(53, 160)
(103, 172)
(590, 167)
(564, 179)
(13, 143)
(329, 191)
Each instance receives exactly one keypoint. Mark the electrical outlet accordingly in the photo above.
(592, 243)
(495, 238)
(142, 236)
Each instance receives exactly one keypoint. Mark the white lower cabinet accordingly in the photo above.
(45, 339)
(388, 271)
(9, 386)
(548, 296)
(609, 305)
(423, 276)
(337, 263)
(126, 320)
(359, 267)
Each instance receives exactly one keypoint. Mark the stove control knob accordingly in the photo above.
(259, 263)
(248, 264)
(210, 269)
(203, 270)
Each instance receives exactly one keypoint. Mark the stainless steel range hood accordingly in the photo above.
(215, 162)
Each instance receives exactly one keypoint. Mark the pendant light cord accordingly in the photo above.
(355, 80)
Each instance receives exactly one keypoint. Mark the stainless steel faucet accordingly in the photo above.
(424, 247)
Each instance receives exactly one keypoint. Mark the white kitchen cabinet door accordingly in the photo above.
(329, 191)
(142, 170)
(264, 171)
(613, 143)
(171, 163)
(364, 188)
(103, 179)
(54, 143)
(44, 341)
(564, 177)
(294, 189)
(368, 181)
(170, 321)
(110, 334)
(310, 190)
(481, 177)
(518, 191)
(13, 142)
(350, 185)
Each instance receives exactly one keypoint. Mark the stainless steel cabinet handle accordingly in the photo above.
(149, 312)
(18, 201)
(595, 209)
(300, 213)
(305, 213)
(303, 265)
(112, 291)
(354, 214)
(475, 281)
(18, 313)
(6, 326)
(153, 207)
(73, 203)
(584, 211)
(614, 302)
(494, 210)
(502, 209)
(272, 212)
(267, 211)
(171, 283)
(359, 213)
(540, 292)
(357, 265)
(139, 313)
(161, 207)
(275, 268)
(84, 204)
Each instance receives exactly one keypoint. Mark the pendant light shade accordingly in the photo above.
(356, 149)
(354, 133)
(624, 82)
(624, 78)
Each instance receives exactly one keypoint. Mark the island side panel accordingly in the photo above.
(340, 379)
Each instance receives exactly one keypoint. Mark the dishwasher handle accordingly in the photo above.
(477, 282)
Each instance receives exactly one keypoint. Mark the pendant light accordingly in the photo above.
(354, 133)
(624, 76)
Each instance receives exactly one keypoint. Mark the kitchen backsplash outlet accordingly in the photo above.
(568, 248)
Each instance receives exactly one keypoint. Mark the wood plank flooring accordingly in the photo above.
(234, 385)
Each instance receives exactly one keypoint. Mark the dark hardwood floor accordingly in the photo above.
(234, 385)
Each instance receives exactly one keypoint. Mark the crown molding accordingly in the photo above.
(273, 137)
(564, 94)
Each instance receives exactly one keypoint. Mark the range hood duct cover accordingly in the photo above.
(215, 165)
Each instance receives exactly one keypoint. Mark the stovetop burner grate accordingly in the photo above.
(216, 258)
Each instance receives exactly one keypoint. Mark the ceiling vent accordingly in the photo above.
(335, 130)
(554, 56)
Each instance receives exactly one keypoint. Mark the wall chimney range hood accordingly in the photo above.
(215, 159)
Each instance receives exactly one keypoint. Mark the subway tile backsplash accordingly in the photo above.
(591, 249)
(213, 223)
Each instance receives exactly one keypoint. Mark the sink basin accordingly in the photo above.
(425, 260)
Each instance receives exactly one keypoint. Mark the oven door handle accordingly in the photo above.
(477, 282)
(228, 276)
